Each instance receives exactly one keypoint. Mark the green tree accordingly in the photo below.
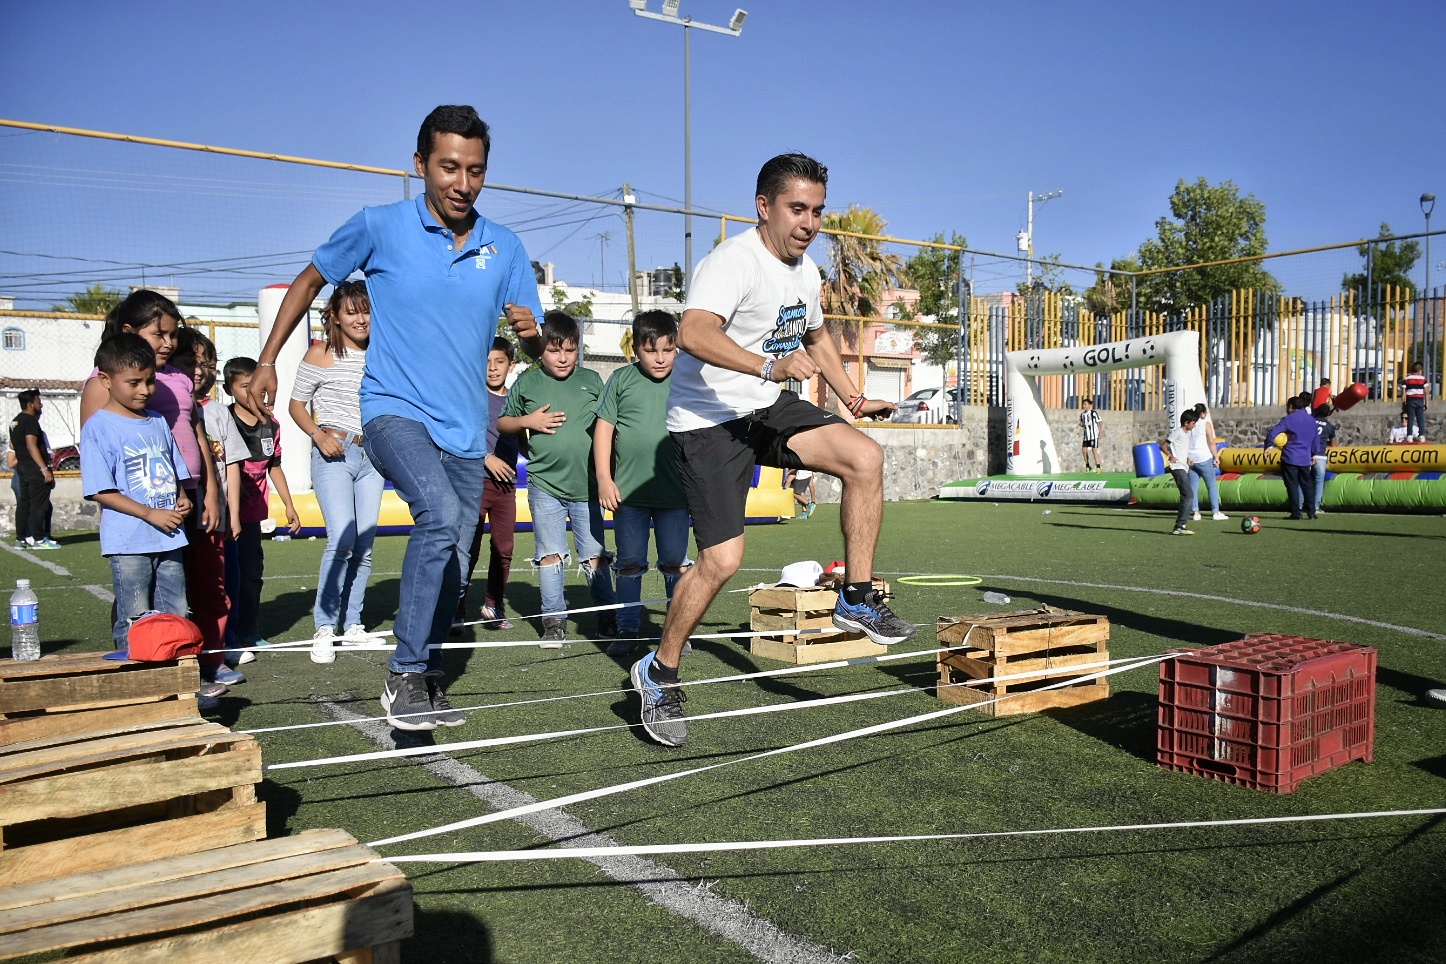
(1110, 292)
(578, 309)
(1390, 264)
(935, 273)
(95, 300)
(1209, 222)
(859, 270)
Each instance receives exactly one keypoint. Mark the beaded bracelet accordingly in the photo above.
(767, 374)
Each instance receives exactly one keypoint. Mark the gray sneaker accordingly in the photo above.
(662, 710)
(406, 702)
(442, 709)
(554, 634)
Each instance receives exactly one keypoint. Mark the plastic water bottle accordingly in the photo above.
(997, 598)
(24, 622)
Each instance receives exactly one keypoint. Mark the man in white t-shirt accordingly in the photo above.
(753, 303)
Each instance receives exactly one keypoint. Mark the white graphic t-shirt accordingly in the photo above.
(766, 307)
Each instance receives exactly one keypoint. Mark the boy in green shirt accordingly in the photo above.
(637, 470)
(556, 405)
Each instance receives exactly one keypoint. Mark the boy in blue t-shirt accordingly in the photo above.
(556, 405)
(637, 470)
(130, 466)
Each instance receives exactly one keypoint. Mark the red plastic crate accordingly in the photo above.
(1267, 711)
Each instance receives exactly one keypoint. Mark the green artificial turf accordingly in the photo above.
(1363, 890)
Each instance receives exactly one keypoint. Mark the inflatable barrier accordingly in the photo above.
(1083, 487)
(1379, 491)
(1344, 458)
(768, 502)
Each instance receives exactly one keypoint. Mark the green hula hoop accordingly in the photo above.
(940, 580)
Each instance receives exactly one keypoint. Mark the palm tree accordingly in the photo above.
(859, 271)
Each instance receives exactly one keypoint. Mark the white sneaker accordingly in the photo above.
(1195, 517)
(1220, 517)
(355, 635)
(322, 649)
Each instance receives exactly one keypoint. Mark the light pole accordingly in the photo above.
(1428, 204)
(1026, 237)
(734, 28)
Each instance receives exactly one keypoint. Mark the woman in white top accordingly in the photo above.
(1204, 465)
(325, 404)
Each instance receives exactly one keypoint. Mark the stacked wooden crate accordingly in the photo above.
(795, 625)
(1022, 662)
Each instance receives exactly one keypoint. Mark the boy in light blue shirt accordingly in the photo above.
(130, 466)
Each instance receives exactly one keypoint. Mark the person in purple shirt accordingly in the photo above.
(1302, 445)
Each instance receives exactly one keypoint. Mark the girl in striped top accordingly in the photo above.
(325, 405)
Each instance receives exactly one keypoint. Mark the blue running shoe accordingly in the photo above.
(662, 710)
(873, 618)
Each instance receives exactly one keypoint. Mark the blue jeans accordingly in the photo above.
(630, 529)
(143, 582)
(349, 491)
(550, 516)
(1204, 470)
(442, 491)
(1416, 417)
(1318, 464)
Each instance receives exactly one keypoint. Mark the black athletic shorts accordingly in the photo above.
(716, 463)
(1090, 443)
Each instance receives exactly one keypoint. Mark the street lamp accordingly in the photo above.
(1026, 237)
(734, 28)
(1428, 204)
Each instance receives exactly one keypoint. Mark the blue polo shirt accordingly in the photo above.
(434, 314)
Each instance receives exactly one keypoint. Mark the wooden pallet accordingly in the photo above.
(316, 895)
(781, 612)
(96, 802)
(1053, 643)
(56, 698)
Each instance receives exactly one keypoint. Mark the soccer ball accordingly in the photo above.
(1250, 525)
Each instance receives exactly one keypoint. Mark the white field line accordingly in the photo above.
(659, 884)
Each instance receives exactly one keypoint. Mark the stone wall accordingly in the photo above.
(918, 460)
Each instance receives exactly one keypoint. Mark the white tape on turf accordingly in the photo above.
(808, 745)
(590, 853)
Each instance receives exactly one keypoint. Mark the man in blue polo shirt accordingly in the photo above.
(439, 276)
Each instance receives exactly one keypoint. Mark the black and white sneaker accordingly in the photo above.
(442, 709)
(872, 617)
(406, 702)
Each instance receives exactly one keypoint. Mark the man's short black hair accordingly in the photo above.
(1293, 404)
(124, 352)
(31, 394)
(1087, 400)
(236, 368)
(559, 328)
(505, 347)
(776, 174)
(651, 325)
(1188, 416)
(453, 119)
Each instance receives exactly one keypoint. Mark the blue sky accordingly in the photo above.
(940, 115)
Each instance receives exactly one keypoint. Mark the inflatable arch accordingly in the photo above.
(1031, 449)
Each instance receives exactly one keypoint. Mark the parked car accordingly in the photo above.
(65, 459)
(927, 406)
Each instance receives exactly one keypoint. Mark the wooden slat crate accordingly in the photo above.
(97, 802)
(316, 895)
(782, 611)
(1051, 642)
(56, 698)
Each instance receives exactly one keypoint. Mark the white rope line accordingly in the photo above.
(719, 714)
(735, 678)
(585, 795)
(589, 853)
(304, 646)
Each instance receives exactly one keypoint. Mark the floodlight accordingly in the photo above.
(738, 17)
(670, 8)
(638, 4)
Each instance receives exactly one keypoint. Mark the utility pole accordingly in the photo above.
(628, 201)
(1026, 237)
